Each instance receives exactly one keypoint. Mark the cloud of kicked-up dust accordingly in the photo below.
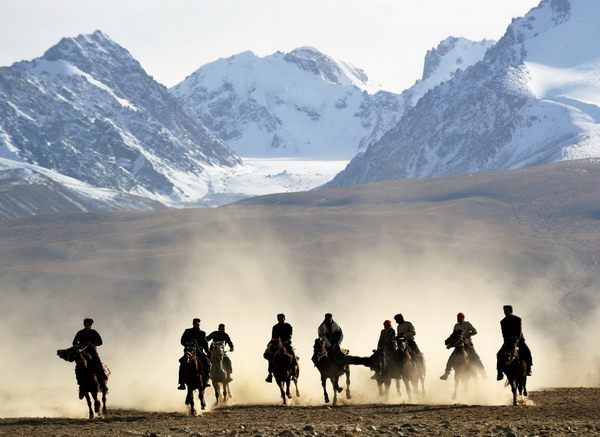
(246, 275)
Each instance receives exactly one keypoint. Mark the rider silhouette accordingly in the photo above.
(387, 337)
(512, 327)
(406, 329)
(198, 337)
(221, 335)
(386, 345)
(283, 331)
(90, 339)
(332, 335)
(467, 330)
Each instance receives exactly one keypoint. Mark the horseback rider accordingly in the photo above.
(221, 335)
(198, 337)
(512, 328)
(386, 345)
(331, 334)
(89, 339)
(464, 328)
(407, 330)
(283, 331)
(387, 337)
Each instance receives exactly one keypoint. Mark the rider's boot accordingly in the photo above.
(500, 376)
(269, 378)
(445, 375)
(181, 387)
(528, 370)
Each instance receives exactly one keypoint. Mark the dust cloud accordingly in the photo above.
(245, 276)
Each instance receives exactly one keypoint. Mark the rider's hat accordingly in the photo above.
(328, 316)
(281, 315)
(88, 320)
(196, 320)
(460, 315)
(387, 323)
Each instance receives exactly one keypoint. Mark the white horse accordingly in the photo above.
(218, 374)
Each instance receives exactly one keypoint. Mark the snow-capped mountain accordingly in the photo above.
(304, 103)
(533, 99)
(88, 110)
(27, 189)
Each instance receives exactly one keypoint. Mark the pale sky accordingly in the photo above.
(388, 39)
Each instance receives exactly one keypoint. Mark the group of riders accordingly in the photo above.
(330, 333)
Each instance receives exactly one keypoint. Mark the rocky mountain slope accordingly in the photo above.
(306, 104)
(87, 109)
(533, 99)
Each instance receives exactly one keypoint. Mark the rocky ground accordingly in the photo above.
(556, 412)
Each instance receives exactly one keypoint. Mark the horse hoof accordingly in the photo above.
(326, 400)
(340, 389)
(348, 396)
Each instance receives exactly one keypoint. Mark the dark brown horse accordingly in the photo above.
(193, 378)
(385, 363)
(331, 367)
(464, 369)
(514, 368)
(87, 378)
(412, 368)
(285, 368)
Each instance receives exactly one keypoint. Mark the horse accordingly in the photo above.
(331, 368)
(285, 368)
(218, 374)
(459, 360)
(412, 368)
(514, 368)
(194, 380)
(386, 365)
(86, 378)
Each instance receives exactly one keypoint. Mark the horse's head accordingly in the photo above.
(456, 339)
(319, 347)
(217, 350)
(69, 354)
(189, 352)
(402, 342)
(510, 350)
(275, 345)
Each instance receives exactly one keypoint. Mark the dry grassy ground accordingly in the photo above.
(557, 412)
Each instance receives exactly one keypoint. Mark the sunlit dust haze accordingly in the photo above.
(144, 281)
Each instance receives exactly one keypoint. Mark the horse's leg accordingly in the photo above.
(513, 388)
(104, 401)
(407, 387)
(524, 385)
(456, 382)
(201, 397)
(348, 394)
(189, 400)
(336, 387)
(281, 385)
(295, 379)
(89, 403)
(397, 386)
(96, 402)
(217, 390)
(287, 388)
(324, 384)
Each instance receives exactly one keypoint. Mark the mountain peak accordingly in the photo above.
(455, 48)
(340, 73)
(94, 46)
